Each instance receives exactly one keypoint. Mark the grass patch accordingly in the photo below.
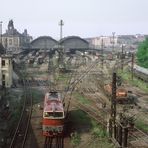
(38, 73)
(97, 131)
(75, 139)
(99, 136)
(80, 117)
(37, 96)
(17, 112)
(126, 75)
(100, 143)
(81, 98)
(61, 78)
(16, 106)
(141, 125)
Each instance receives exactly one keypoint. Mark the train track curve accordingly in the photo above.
(20, 134)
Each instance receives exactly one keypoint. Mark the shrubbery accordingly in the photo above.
(142, 53)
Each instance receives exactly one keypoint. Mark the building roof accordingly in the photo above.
(7, 56)
(73, 37)
(43, 37)
(12, 32)
(53, 102)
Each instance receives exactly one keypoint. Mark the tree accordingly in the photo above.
(142, 53)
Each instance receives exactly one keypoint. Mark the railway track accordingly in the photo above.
(73, 82)
(95, 96)
(137, 137)
(54, 142)
(75, 79)
(92, 113)
(119, 64)
(36, 82)
(20, 134)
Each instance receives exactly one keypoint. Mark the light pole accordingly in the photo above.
(60, 48)
(61, 23)
(1, 30)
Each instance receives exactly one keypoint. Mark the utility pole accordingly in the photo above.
(61, 23)
(113, 103)
(1, 30)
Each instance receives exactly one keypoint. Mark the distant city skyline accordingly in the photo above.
(84, 18)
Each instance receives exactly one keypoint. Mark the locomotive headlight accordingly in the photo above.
(45, 114)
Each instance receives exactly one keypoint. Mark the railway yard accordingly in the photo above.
(103, 107)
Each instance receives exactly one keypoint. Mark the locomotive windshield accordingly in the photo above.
(53, 95)
(53, 114)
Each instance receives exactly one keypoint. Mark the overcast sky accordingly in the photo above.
(84, 18)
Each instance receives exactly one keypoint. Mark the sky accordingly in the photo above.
(84, 18)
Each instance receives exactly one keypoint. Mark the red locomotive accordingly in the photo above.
(53, 115)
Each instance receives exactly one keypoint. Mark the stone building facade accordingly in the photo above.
(13, 41)
(6, 71)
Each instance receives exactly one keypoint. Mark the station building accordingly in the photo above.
(13, 41)
(67, 43)
(6, 71)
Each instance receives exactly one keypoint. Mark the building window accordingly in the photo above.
(10, 41)
(3, 62)
(3, 80)
(3, 84)
(3, 77)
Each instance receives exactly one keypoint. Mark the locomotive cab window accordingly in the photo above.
(49, 114)
(53, 114)
(53, 95)
(58, 114)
